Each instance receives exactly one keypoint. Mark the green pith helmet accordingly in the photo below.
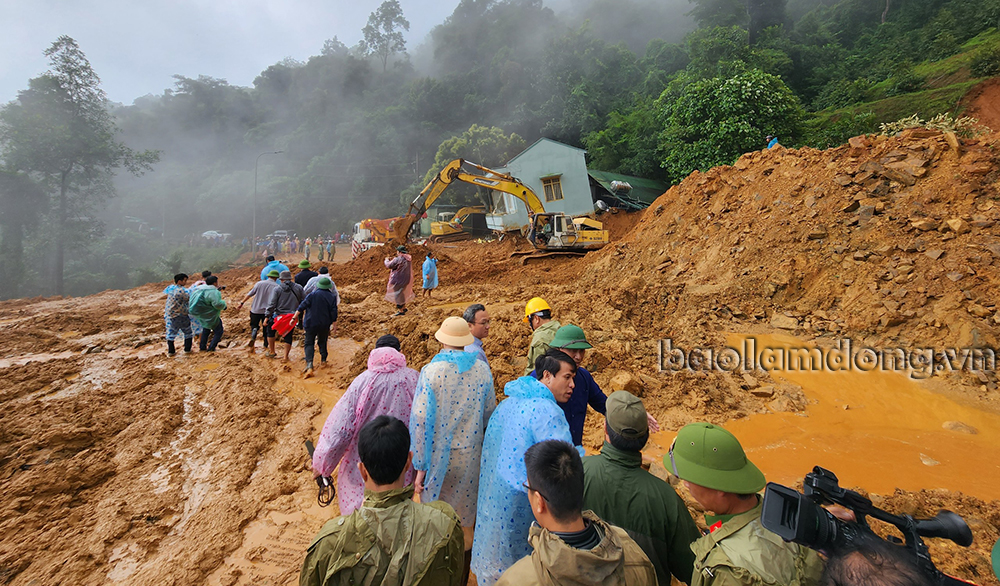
(304, 264)
(273, 274)
(709, 456)
(570, 337)
(324, 283)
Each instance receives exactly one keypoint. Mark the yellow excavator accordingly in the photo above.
(462, 226)
(551, 233)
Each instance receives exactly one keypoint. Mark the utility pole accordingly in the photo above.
(253, 241)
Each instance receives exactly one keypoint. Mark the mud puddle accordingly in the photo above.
(274, 544)
(878, 430)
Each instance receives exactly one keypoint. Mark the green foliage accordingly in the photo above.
(712, 49)
(716, 120)
(383, 33)
(986, 62)
(965, 126)
(60, 132)
(714, 13)
(629, 142)
(824, 133)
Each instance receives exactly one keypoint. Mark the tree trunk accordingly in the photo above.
(885, 13)
(60, 260)
(11, 259)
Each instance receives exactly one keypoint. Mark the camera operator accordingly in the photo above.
(871, 561)
(737, 551)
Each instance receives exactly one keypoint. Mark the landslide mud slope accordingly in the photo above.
(120, 465)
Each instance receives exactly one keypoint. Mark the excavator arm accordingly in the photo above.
(452, 172)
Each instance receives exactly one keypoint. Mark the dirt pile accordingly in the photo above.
(134, 468)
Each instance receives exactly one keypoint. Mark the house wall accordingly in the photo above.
(546, 158)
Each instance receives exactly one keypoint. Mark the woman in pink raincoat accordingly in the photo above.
(386, 388)
(400, 287)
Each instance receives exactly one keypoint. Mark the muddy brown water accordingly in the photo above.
(877, 430)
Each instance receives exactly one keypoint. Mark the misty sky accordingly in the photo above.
(137, 45)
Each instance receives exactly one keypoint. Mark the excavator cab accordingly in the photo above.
(558, 231)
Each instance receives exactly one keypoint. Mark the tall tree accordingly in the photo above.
(711, 13)
(60, 132)
(383, 37)
(22, 201)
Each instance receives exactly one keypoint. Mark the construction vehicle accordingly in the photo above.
(370, 233)
(551, 233)
(466, 223)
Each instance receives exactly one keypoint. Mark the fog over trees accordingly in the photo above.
(362, 127)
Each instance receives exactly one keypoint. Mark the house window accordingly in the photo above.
(553, 188)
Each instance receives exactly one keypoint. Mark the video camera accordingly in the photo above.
(798, 517)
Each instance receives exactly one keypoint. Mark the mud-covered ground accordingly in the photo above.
(120, 465)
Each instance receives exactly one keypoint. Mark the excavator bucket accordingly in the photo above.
(401, 229)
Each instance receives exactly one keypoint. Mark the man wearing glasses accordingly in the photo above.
(479, 324)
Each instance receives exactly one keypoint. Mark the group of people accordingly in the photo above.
(278, 302)
(437, 481)
(323, 246)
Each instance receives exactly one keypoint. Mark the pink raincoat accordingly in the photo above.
(386, 388)
(400, 287)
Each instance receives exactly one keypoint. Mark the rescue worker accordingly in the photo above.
(285, 299)
(399, 290)
(453, 403)
(570, 545)
(206, 306)
(305, 273)
(272, 265)
(529, 415)
(391, 540)
(386, 388)
(175, 314)
(319, 313)
(737, 551)
(617, 489)
(261, 293)
(538, 316)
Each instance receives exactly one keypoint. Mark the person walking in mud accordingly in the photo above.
(206, 306)
(285, 299)
(400, 287)
(451, 408)
(175, 314)
(261, 294)
(385, 388)
(430, 270)
(305, 273)
(319, 320)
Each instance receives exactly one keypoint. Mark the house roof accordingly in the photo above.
(532, 145)
(645, 190)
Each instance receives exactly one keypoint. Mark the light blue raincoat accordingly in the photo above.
(529, 415)
(453, 403)
(430, 273)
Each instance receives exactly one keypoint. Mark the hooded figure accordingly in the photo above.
(530, 415)
(386, 388)
(400, 287)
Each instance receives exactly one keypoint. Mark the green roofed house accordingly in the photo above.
(624, 191)
(558, 175)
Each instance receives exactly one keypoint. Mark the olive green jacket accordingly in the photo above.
(389, 541)
(619, 491)
(741, 552)
(540, 342)
(616, 561)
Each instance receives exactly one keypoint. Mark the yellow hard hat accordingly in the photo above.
(535, 304)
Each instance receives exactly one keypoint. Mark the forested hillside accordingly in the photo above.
(360, 129)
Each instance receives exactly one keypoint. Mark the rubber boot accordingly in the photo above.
(187, 345)
(253, 336)
(170, 348)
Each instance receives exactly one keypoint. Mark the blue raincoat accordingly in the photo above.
(530, 415)
(430, 273)
(453, 403)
